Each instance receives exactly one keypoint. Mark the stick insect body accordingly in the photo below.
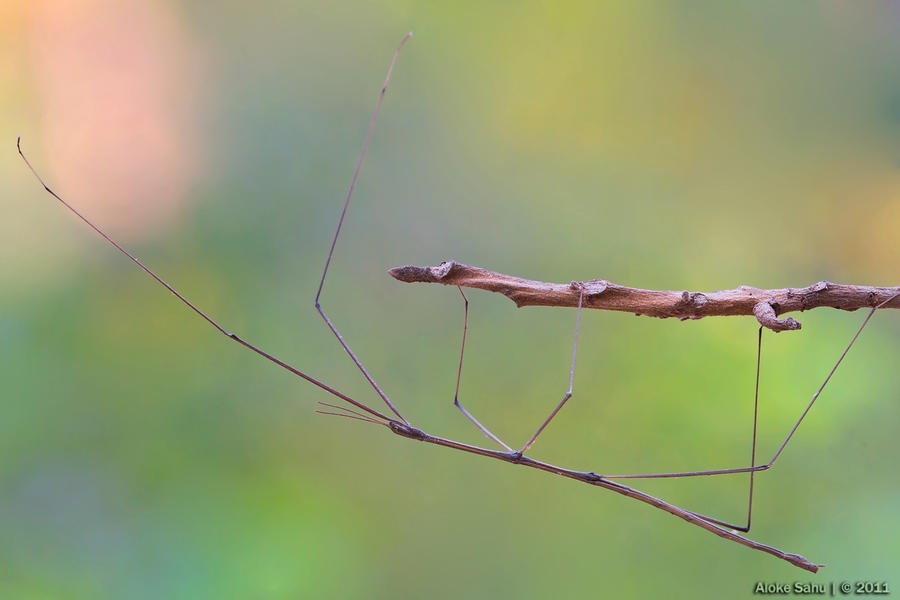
(394, 420)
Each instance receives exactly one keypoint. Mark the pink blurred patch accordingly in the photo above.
(118, 84)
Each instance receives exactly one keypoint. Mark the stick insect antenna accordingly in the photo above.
(348, 416)
(337, 233)
(344, 409)
(346, 412)
(190, 305)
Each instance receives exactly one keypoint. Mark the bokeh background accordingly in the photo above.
(689, 145)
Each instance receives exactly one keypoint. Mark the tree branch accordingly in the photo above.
(598, 480)
(765, 305)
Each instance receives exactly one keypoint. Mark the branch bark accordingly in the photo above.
(765, 305)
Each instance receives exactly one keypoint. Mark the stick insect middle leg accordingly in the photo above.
(462, 352)
(568, 393)
(553, 413)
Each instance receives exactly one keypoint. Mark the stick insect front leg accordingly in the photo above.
(337, 233)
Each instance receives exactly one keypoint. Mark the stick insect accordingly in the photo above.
(392, 418)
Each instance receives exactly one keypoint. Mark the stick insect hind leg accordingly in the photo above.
(753, 468)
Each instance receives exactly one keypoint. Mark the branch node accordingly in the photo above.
(767, 317)
(595, 287)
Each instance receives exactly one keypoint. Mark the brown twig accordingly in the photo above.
(765, 305)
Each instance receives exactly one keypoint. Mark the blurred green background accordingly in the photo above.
(688, 145)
